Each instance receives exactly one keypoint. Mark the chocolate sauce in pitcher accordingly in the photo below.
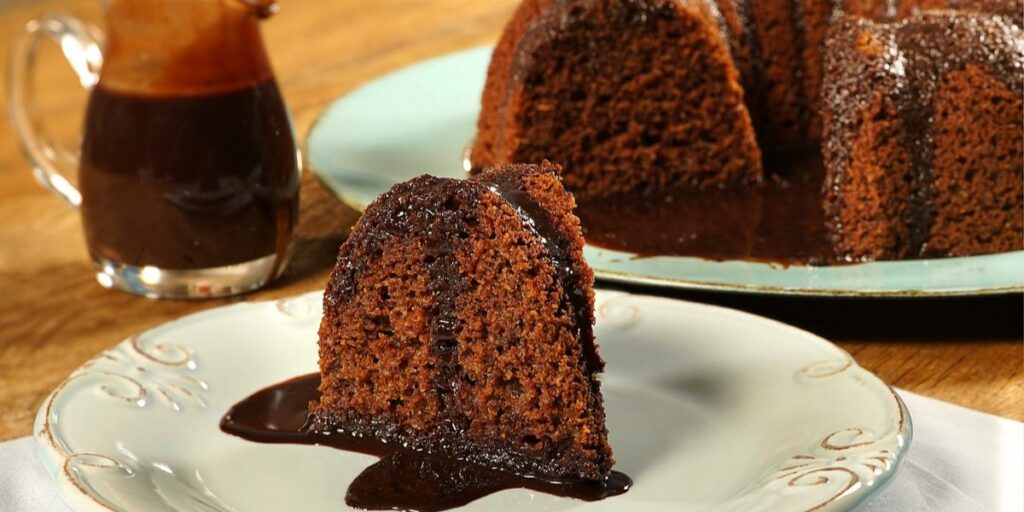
(188, 157)
(189, 181)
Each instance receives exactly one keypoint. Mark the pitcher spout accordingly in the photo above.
(262, 9)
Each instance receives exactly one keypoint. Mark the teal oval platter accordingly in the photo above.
(420, 119)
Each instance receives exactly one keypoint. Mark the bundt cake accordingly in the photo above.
(594, 86)
(643, 95)
(923, 136)
(459, 318)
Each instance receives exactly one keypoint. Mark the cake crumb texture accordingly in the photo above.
(451, 324)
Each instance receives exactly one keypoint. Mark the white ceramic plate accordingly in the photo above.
(421, 118)
(708, 408)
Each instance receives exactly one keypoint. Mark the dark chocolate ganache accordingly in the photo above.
(780, 221)
(402, 479)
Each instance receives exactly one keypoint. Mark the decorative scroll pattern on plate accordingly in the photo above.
(302, 307)
(618, 310)
(135, 371)
(843, 462)
(182, 490)
(139, 369)
(824, 369)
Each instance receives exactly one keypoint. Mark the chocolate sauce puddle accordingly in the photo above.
(782, 221)
(402, 479)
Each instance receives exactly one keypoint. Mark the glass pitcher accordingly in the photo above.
(187, 174)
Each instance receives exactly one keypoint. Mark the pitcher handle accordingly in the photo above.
(81, 44)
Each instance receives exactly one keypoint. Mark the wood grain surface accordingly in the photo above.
(53, 315)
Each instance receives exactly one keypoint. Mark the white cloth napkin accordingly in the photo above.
(960, 460)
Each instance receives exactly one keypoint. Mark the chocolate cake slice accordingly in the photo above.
(459, 319)
(640, 97)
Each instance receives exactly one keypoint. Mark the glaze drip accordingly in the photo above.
(441, 241)
(902, 65)
(780, 221)
(403, 478)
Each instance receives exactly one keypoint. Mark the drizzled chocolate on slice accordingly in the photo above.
(402, 479)
(457, 343)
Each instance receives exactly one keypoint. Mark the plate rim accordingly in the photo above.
(612, 276)
(55, 458)
(641, 279)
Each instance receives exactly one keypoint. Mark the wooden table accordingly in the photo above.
(53, 315)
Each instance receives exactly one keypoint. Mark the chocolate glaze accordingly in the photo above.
(753, 93)
(441, 239)
(735, 26)
(796, 19)
(907, 62)
(403, 479)
(780, 221)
